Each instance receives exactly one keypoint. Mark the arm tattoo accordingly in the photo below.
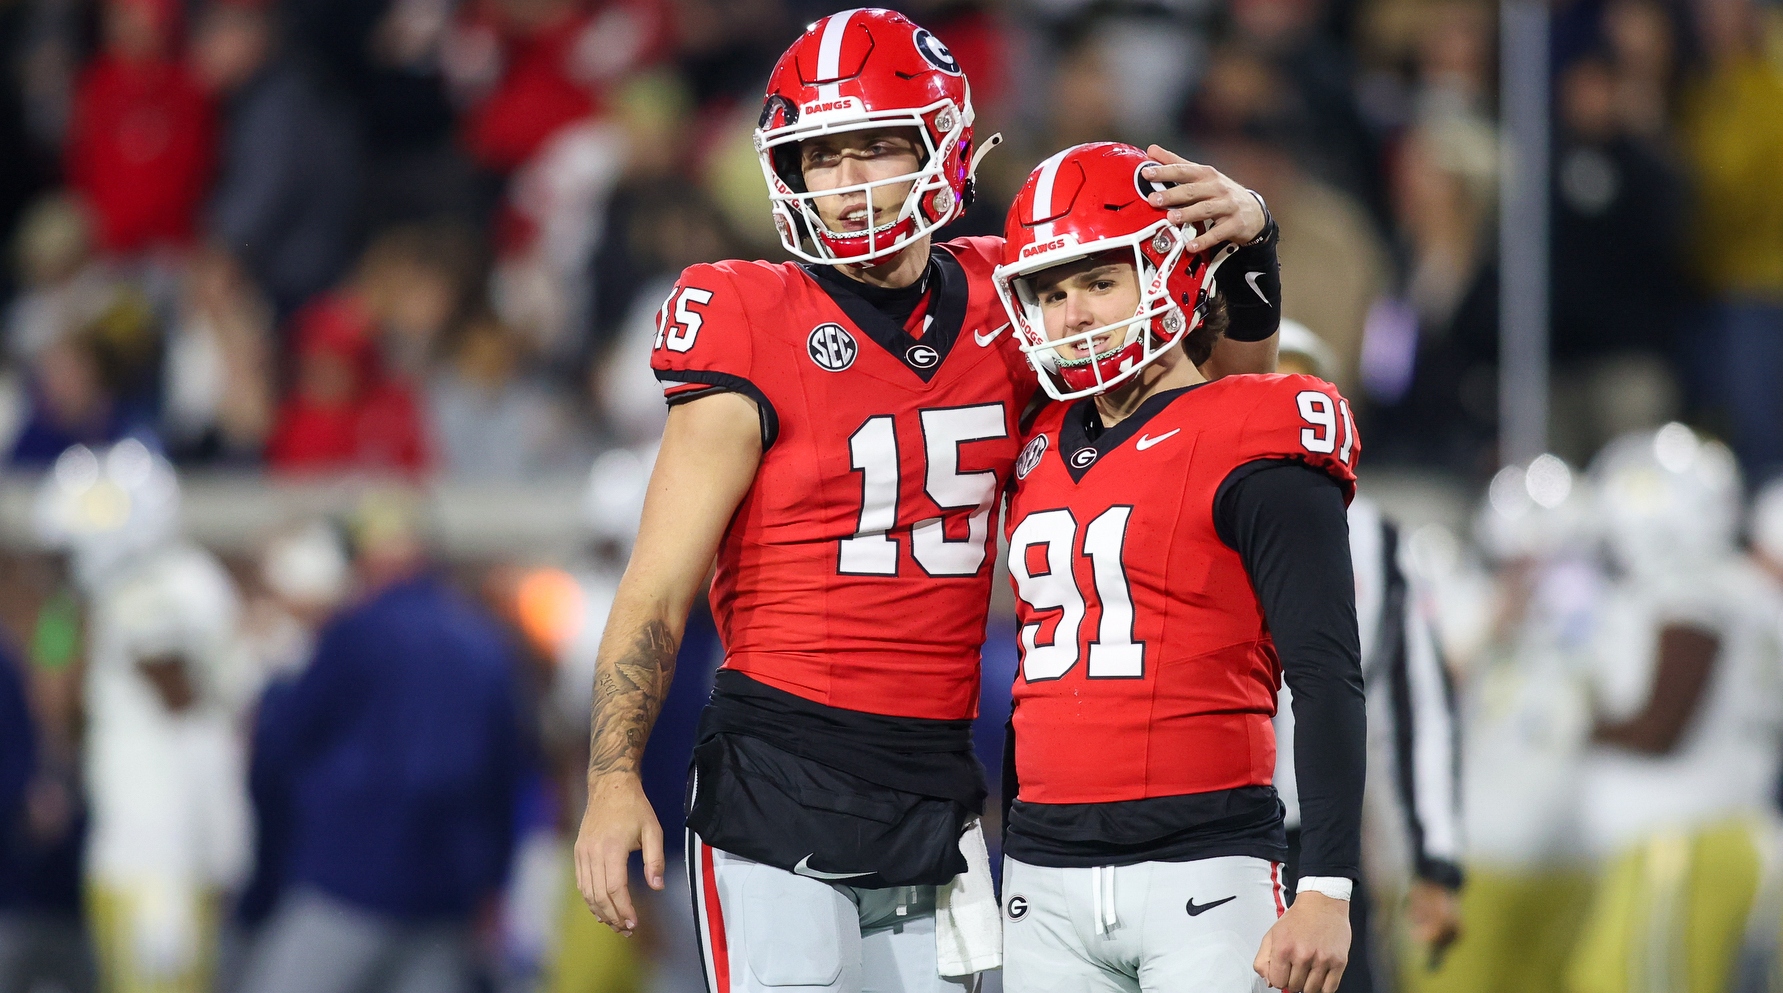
(628, 694)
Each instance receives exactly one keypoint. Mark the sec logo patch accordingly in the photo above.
(832, 347)
(1029, 459)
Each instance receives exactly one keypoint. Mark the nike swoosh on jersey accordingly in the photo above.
(985, 339)
(804, 869)
(1251, 278)
(1146, 441)
(1196, 910)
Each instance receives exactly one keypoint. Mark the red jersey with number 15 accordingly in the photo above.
(1147, 667)
(856, 573)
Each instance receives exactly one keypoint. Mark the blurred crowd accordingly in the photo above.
(425, 237)
(425, 240)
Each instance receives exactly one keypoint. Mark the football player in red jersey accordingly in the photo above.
(1176, 546)
(840, 436)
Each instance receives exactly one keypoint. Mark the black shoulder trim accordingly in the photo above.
(724, 382)
(947, 307)
(1083, 429)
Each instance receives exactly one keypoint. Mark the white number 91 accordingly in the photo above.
(1327, 422)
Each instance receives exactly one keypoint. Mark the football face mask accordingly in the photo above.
(1091, 201)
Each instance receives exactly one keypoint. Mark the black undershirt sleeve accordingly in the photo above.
(1250, 283)
(1288, 523)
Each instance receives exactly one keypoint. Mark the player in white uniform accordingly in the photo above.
(1526, 720)
(165, 682)
(1688, 688)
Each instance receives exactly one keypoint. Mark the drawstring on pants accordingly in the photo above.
(1102, 882)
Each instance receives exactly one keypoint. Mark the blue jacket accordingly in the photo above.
(18, 759)
(402, 753)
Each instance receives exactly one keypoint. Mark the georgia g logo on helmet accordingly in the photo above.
(937, 53)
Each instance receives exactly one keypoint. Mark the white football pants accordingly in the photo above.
(1154, 927)
(766, 929)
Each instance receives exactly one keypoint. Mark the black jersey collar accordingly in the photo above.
(1083, 440)
(924, 355)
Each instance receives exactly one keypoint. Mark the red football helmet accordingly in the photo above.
(859, 69)
(1087, 200)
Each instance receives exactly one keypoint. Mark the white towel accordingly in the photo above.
(968, 919)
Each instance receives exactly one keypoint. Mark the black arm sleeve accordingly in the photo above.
(1250, 282)
(1287, 521)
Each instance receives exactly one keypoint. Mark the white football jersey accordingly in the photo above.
(168, 791)
(1726, 762)
(1526, 721)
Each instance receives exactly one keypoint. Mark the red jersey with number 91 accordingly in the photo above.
(1147, 667)
(856, 572)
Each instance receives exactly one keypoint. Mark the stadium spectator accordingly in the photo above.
(493, 422)
(1314, 71)
(58, 281)
(1429, 358)
(659, 230)
(1617, 222)
(89, 387)
(287, 199)
(344, 413)
(1643, 42)
(1251, 127)
(1734, 149)
(217, 386)
(384, 57)
(141, 139)
(1453, 54)
(363, 355)
(403, 753)
(544, 65)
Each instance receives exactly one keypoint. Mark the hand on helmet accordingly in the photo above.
(1203, 193)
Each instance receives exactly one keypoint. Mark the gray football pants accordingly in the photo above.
(314, 943)
(766, 929)
(1154, 927)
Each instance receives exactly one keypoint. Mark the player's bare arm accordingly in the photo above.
(710, 450)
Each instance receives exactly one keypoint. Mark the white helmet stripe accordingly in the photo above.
(829, 54)
(1049, 170)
